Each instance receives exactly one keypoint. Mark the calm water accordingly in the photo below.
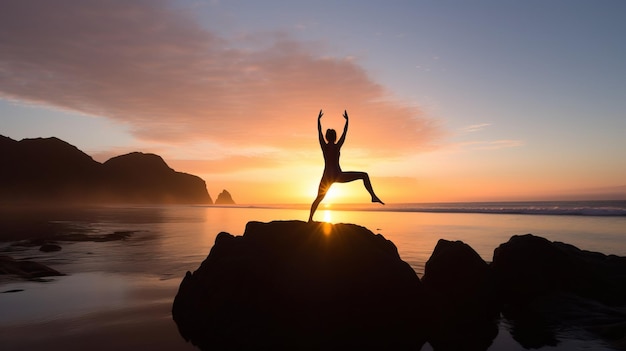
(113, 287)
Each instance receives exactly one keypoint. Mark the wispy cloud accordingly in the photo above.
(153, 67)
(474, 128)
(490, 145)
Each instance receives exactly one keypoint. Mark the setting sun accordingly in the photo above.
(327, 214)
(333, 194)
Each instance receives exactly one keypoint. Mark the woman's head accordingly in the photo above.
(331, 135)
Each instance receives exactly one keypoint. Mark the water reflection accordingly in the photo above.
(62, 298)
(327, 215)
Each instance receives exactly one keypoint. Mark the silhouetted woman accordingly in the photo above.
(332, 170)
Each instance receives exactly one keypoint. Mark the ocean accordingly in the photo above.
(118, 294)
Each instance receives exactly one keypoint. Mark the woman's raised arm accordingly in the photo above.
(345, 129)
(319, 129)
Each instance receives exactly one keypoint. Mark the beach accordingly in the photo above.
(117, 294)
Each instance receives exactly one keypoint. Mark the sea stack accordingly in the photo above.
(224, 198)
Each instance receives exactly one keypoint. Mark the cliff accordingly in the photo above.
(51, 170)
(146, 178)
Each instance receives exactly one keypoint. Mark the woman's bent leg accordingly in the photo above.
(351, 176)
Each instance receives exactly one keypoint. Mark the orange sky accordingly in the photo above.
(451, 107)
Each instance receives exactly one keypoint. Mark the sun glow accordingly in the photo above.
(327, 228)
(333, 194)
(328, 216)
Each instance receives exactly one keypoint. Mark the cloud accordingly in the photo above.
(474, 128)
(155, 68)
(490, 145)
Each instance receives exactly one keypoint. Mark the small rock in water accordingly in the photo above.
(12, 291)
(50, 248)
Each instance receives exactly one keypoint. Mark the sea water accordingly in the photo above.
(112, 287)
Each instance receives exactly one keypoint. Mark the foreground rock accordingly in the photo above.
(296, 285)
(462, 308)
(549, 286)
(529, 266)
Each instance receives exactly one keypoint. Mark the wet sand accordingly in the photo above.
(137, 328)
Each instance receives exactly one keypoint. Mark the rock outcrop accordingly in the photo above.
(548, 286)
(26, 269)
(463, 310)
(529, 266)
(224, 198)
(297, 285)
(51, 170)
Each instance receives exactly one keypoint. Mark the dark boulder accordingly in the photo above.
(463, 313)
(49, 247)
(547, 287)
(529, 266)
(297, 285)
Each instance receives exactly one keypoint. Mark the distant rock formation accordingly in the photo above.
(296, 285)
(49, 169)
(140, 178)
(224, 198)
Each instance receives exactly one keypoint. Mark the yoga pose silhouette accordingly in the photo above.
(332, 170)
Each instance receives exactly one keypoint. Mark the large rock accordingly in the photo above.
(462, 302)
(547, 287)
(529, 266)
(297, 285)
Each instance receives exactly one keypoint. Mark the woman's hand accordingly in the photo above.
(320, 115)
(345, 114)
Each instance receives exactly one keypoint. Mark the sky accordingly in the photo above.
(485, 100)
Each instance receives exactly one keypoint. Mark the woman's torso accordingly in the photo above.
(331, 160)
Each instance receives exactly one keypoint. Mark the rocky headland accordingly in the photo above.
(49, 170)
(297, 285)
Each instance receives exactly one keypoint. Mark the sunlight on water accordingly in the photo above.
(328, 218)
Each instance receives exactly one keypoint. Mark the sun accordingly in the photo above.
(333, 194)
(328, 217)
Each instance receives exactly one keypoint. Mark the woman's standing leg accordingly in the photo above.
(321, 192)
